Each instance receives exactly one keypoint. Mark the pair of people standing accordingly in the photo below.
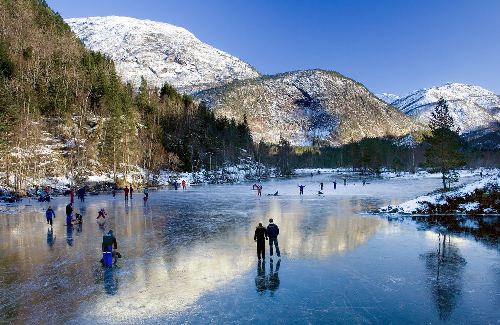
(262, 234)
(126, 190)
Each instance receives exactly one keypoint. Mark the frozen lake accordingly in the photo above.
(189, 256)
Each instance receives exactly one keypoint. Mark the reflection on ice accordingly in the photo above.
(186, 248)
(445, 268)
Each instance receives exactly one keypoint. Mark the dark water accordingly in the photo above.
(190, 257)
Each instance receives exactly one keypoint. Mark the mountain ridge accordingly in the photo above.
(159, 52)
(306, 107)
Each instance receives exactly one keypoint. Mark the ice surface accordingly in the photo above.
(189, 256)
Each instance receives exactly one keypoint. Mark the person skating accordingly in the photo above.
(259, 190)
(183, 184)
(364, 182)
(131, 191)
(272, 232)
(334, 185)
(321, 186)
(345, 182)
(146, 194)
(50, 214)
(101, 218)
(260, 237)
(109, 246)
(301, 189)
(113, 192)
(125, 190)
(69, 213)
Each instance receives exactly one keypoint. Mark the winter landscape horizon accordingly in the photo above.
(249, 162)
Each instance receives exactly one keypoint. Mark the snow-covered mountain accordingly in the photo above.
(160, 52)
(307, 106)
(472, 107)
(387, 97)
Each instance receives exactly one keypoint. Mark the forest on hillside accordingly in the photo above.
(64, 110)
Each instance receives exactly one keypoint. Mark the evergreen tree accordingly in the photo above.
(443, 152)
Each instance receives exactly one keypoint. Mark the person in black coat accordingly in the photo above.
(260, 237)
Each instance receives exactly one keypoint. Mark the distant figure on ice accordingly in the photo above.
(334, 185)
(50, 214)
(81, 194)
(481, 174)
(113, 192)
(183, 183)
(78, 219)
(101, 217)
(301, 189)
(321, 186)
(175, 185)
(146, 194)
(345, 182)
(131, 191)
(72, 195)
(260, 237)
(364, 182)
(259, 190)
(126, 193)
(272, 232)
(69, 214)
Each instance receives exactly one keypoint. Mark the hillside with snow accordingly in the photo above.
(473, 108)
(159, 52)
(388, 97)
(307, 106)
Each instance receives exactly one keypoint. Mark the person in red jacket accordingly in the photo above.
(72, 195)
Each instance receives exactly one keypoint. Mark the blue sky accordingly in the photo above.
(390, 46)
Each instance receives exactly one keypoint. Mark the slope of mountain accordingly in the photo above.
(387, 97)
(160, 52)
(307, 106)
(472, 107)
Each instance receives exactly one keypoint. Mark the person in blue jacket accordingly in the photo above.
(50, 214)
(272, 232)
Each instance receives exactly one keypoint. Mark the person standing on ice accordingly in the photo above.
(301, 189)
(272, 232)
(50, 214)
(321, 186)
(259, 190)
(125, 190)
(69, 213)
(260, 237)
(183, 184)
(345, 182)
(131, 191)
(72, 195)
(334, 185)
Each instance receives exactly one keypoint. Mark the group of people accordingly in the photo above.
(262, 234)
(183, 184)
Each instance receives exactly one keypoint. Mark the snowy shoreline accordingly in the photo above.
(476, 198)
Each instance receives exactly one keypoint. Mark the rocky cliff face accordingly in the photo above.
(159, 52)
(306, 107)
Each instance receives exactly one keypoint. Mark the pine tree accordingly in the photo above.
(444, 143)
